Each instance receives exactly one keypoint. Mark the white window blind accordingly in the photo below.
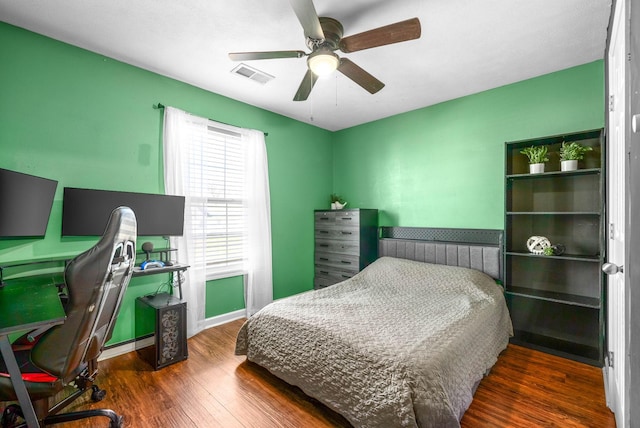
(216, 185)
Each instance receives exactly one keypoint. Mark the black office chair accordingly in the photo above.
(67, 354)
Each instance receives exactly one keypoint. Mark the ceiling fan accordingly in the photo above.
(324, 36)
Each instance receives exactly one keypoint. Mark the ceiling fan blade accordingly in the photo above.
(248, 56)
(306, 13)
(394, 33)
(358, 75)
(306, 86)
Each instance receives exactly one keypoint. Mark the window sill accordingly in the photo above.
(225, 274)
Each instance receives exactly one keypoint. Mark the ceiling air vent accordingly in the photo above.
(251, 73)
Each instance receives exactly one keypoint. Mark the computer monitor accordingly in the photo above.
(85, 212)
(25, 204)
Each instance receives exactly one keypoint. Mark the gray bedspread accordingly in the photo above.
(401, 344)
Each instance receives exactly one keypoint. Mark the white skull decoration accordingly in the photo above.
(537, 244)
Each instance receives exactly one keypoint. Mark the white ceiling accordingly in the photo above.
(467, 46)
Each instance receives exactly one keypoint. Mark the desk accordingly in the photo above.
(51, 261)
(26, 304)
(176, 267)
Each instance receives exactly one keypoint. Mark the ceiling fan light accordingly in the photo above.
(323, 63)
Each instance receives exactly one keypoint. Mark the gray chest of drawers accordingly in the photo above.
(346, 242)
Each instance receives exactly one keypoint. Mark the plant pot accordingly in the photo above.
(340, 206)
(568, 165)
(536, 168)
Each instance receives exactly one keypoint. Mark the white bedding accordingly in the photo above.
(401, 344)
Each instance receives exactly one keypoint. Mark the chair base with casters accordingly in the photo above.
(83, 383)
(12, 416)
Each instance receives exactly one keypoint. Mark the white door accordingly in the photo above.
(632, 271)
(616, 306)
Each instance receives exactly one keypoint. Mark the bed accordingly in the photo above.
(403, 343)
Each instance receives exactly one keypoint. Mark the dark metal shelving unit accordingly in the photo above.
(557, 303)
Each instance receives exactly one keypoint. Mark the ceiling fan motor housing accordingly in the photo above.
(333, 32)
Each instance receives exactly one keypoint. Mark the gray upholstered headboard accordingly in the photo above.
(479, 249)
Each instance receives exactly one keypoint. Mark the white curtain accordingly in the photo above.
(180, 131)
(257, 251)
(179, 128)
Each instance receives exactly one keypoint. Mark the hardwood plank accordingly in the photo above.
(214, 388)
(527, 388)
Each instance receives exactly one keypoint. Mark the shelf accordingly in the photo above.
(569, 324)
(28, 266)
(156, 270)
(576, 351)
(552, 296)
(41, 260)
(157, 251)
(585, 171)
(550, 194)
(553, 213)
(574, 257)
(580, 234)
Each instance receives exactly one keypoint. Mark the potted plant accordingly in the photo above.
(337, 203)
(537, 157)
(570, 154)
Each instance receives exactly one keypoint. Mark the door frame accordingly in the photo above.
(632, 201)
(614, 370)
(633, 211)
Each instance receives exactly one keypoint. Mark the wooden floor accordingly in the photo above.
(215, 388)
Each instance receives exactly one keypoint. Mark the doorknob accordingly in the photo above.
(612, 268)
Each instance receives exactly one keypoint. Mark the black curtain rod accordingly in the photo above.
(161, 106)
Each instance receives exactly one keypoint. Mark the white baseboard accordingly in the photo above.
(138, 344)
(224, 318)
(611, 393)
(126, 348)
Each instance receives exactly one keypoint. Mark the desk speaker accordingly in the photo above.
(165, 317)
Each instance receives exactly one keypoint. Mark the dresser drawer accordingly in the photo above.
(325, 277)
(347, 218)
(338, 217)
(339, 261)
(324, 281)
(338, 234)
(325, 217)
(329, 272)
(335, 246)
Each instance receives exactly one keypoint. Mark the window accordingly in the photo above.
(216, 184)
(222, 171)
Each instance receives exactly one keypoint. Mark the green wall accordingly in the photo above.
(88, 121)
(443, 166)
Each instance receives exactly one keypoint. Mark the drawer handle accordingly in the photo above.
(324, 258)
(346, 276)
(323, 245)
(324, 218)
(324, 272)
(323, 231)
(347, 233)
(345, 262)
(346, 218)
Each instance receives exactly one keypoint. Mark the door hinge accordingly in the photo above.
(610, 359)
(611, 103)
(611, 231)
